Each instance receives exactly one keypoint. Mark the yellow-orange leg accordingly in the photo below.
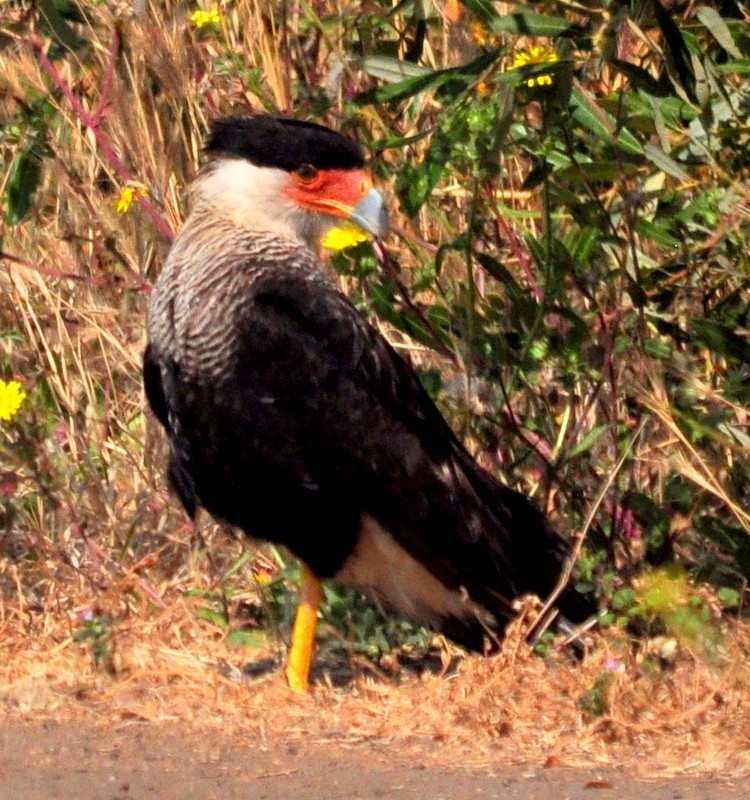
(303, 635)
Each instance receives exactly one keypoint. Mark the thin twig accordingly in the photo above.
(544, 616)
(92, 123)
(88, 280)
(391, 271)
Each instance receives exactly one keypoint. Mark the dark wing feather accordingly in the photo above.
(312, 419)
(162, 398)
(395, 452)
(153, 385)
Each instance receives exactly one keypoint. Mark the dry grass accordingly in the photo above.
(513, 708)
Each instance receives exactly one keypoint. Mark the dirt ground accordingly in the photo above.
(86, 760)
(177, 713)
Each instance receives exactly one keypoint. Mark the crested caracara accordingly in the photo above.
(289, 416)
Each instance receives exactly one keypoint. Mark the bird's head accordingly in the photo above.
(282, 175)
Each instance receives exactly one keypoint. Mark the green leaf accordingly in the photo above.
(385, 306)
(500, 273)
(501, 126)
(483, 9)
(421, 79)
(721, 339)
(657, 233)
(26, 177)
(740, 66)
(526, 23)
(733, 541)
(393, 70)
(588, 441)
(72, 10)
(428, 173)
(677, 57)
(658, 348)
(537, 176)
(254, 639)
(600, 123)
(729, 598)
(238, 564)
(711, 18)
(582, 244)
(55, 23)
(402, 90)
(217, 617)
(665, 163)
(624, 599)
(391, 142)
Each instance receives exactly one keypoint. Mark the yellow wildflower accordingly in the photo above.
(206, 19)
(11, 397)
(128, 195)
(535, 54)
(263, 575)
(342, 236)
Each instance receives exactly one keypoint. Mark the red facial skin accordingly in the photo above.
(329, 191)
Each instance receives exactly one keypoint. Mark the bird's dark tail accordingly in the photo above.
(524, 555)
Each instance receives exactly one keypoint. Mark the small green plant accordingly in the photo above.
(96, 629)
(545, 643)
(730, 598)
(667, 593)
(358, 626)
(595, 701)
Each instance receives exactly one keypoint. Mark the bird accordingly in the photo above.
(290, 416)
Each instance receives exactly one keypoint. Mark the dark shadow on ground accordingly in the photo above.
(343, 672)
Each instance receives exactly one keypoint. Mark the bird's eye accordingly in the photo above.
(307, 172)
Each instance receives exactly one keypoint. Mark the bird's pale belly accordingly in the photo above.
(381, 568)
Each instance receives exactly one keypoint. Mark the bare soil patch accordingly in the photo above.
(177, 713)
(91, 760)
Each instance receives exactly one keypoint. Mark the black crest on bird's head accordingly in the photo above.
(287, 144)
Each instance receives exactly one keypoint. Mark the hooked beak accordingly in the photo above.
(370, 214)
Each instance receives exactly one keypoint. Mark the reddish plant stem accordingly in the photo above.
(106, 148)
(391, 271)
(141, 285)
(108, 77)
(518, 251)
(541, 447)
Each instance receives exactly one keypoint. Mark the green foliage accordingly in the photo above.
(614, 280)
(96, 629)
(23, 184)
(595, 701)
(730, 598)
(358, 626)
(662, 600)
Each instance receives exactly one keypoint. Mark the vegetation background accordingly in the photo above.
(568, 269)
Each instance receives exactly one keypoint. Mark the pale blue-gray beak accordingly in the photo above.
(371, 214)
